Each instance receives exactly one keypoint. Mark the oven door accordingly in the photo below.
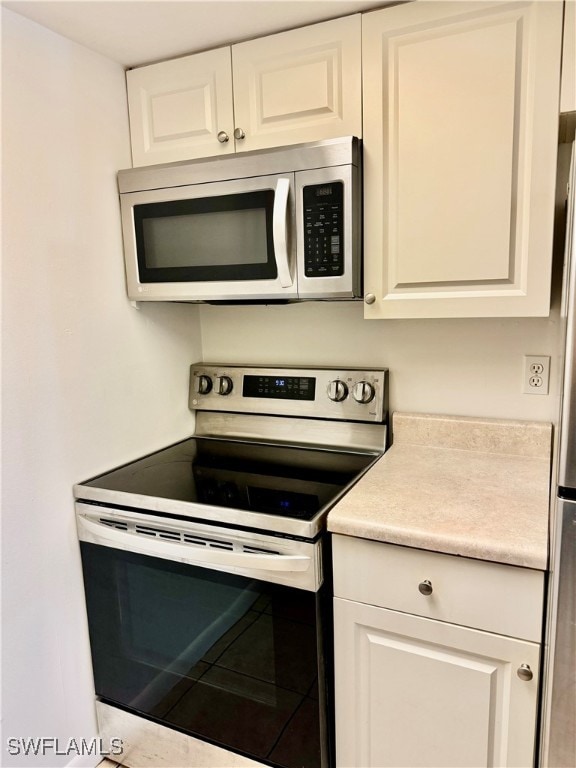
(231, 659)
(209, 242)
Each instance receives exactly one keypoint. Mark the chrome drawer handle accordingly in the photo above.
(223, 137)
(524, 672)
(425, 587)
(239, 133)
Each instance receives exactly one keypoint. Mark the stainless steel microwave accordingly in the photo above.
(273, 225)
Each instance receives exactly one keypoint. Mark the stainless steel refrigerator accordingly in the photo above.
(559, 713)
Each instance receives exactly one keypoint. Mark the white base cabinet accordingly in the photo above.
(417, 692)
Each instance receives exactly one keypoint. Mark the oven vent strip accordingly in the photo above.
(192, 540)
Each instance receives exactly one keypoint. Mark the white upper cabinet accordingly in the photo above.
(178, 108)
(568, 89)
(297, 86)
(460, 135)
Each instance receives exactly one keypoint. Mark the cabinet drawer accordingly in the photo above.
(497, 598)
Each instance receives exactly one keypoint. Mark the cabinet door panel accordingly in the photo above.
(460, 135)
(178, 107)
(434, 169)
(568, 86)
(297, 86)
(414, 692)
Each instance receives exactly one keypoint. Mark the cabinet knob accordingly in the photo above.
(369, 298)
(524, 672)
(425, 587)
(239, 133)
(223, 137)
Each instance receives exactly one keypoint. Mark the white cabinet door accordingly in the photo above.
(298, 86)
(178, 108)
(415, 693)
(460, 136)
(568, 85)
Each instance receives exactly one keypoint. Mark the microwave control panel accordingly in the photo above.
(324, 229)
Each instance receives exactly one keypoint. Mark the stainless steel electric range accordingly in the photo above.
(207, 569)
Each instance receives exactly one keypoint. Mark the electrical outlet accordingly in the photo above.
(536, 378)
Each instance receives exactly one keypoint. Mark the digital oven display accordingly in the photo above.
(280, 387)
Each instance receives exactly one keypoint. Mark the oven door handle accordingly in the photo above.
(279, 231)
(99, 533)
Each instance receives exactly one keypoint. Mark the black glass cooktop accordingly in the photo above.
(284, 480)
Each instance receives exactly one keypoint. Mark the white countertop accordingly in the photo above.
(464, 486)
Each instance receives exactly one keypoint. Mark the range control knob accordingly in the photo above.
(363, 392)
(225, 385)
(203, 384)
(337, 390)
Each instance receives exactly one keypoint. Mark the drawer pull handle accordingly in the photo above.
(425, 587)
(223, 137)
(524, 672)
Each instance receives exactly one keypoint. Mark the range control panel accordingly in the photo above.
(351, 394)
(324, 229)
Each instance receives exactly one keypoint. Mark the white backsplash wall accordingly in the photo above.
(460, 367)
(88, 381)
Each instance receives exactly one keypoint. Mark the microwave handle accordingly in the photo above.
(279, 231)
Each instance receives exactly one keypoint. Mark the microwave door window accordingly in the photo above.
(206, 239)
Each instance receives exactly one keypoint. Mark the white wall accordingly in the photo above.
(88, 381)
(459, 367)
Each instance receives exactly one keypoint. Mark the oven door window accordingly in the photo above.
(228, 659)
(227, 237)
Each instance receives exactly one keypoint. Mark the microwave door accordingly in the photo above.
(221, 241)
